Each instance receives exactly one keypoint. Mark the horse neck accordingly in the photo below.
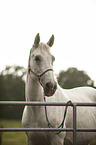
(34, 91)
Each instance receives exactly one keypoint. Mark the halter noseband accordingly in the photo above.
(38, 75)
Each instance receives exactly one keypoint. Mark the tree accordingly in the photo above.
(12, 88)
(72, 77)
(15, 71)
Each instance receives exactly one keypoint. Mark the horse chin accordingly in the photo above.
(50, 93)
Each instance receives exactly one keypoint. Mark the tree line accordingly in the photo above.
(12, 87)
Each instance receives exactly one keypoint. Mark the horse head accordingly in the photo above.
(41, 65)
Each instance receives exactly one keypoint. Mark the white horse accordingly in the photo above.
(40, 80)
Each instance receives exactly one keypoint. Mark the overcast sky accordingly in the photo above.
(73, 23)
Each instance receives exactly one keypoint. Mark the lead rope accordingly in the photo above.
(64, 116)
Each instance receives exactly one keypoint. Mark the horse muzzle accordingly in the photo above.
(50, 89)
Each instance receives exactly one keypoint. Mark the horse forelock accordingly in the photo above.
(43, 47)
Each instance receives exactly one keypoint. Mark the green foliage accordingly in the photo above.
(12, 88)
(93, 142)
(74, 78)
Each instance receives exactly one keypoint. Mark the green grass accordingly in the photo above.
(93, 142)
(16, 138)
(12, 138)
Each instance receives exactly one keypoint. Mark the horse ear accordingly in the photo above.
(51, 41)
(37, 40)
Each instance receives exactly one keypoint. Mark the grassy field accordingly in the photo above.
(16, 138)
(12, 138)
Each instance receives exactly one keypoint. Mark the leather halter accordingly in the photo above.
(38, 75)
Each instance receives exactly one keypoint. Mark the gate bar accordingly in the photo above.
(86, 129)
(35, 129)
(74, 124)
(47, 129)
(33, 103)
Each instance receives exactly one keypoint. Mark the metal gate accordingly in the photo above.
(74, 129)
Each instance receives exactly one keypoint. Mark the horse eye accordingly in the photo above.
(37, 58)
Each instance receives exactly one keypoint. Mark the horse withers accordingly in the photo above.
(41, 82)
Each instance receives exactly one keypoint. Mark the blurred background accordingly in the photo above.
(73, 24)
(12, 88)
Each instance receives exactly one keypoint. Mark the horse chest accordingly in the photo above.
(40, 138)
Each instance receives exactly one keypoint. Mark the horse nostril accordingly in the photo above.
(51, 86)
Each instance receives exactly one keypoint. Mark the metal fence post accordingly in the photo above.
(74, 124)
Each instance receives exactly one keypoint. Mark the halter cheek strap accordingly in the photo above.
(38, 75)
